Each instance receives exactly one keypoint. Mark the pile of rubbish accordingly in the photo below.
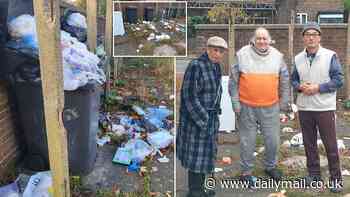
(74, 23)
(153, 33)
(147, 131)
(158, 38)
(289, 116)
(37, 185)
(168, 25)
(172, 25)
(151, 30)
(80, 66)
(297, 141)
(150, 25)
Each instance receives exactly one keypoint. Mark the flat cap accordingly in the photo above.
(311, 25)
(217, 41)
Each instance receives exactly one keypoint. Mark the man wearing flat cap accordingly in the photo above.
(259, 89)
(316, 76)
(196, 139)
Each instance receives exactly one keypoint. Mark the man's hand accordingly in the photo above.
(237, 114)
(236, 106)
(237, 111)
(309, 88)
(312, 89)
(303, 86)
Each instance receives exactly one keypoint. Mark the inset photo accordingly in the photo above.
(151, 29)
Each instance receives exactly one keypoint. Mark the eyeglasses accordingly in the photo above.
(311, 34)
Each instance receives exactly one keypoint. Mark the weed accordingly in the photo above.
(119, 82)
(105, 193)
(259, 140)
(147, 178)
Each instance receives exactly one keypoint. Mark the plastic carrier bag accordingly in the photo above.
(39, 185)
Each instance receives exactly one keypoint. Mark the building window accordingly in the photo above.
(301, 18)
(330, 18)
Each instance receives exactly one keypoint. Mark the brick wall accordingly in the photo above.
(265, 1)
(333, 37)
(141, 6)
(284, 8)
(9, 144)
(312, 7)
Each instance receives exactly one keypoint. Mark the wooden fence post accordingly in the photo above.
(231, 42)
(347, 65)
(91, 9)
(48, 29)
(108, 41)
(291, 48)
(117, 63)
(157, 10)
(291, 39)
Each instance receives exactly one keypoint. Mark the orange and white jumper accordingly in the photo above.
(257, 80)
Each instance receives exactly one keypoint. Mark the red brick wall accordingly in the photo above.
(333, 37)
(9, 145)
(140, 7)
(313, 6)
(265, 1)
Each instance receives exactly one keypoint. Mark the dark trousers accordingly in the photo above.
(195, 184)
(325, 122)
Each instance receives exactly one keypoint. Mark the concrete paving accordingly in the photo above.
(107, 174)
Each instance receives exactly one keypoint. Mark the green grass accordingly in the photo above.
(120, 82)
(106, 193)
(259, 140)
(118, 193)
(168, 42)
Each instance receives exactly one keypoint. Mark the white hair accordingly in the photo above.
(258, 30)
